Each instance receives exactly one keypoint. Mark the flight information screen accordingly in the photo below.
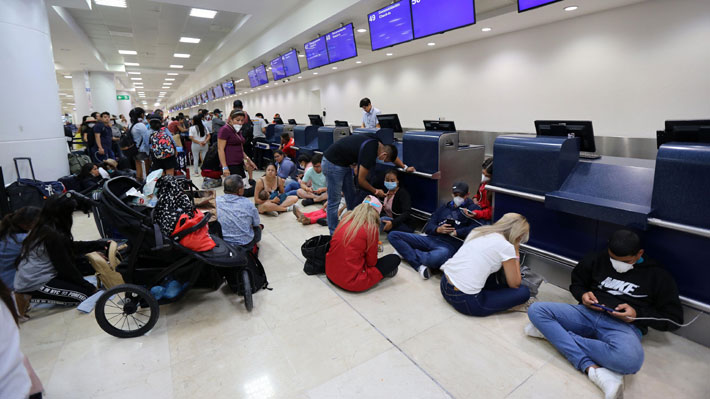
(390, 25)
(430, 17)
(261, 76)
(277, 68)
(253, 82)
(290, 61)
(524, 5)
(316, 53)
(341, 44)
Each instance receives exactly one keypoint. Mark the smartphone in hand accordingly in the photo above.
(600, 306)
(450, 222)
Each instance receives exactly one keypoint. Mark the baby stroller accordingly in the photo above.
(130, 310)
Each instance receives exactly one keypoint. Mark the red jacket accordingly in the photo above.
(351, 266)
(288, 150)
(486, 211)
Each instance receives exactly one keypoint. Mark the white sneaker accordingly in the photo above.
(532, 331)
(523, 307)
(289, 208)
(424, 272)
(611, 383)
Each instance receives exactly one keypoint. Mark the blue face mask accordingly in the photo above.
(390, 185)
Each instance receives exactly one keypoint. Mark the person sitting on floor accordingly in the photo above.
(279, 200)
(483, 199)
(287, 143)
(47, 269)
(237, 215)
(621, 294)
(317, 216)
(14, 228)
(445, 231)
(483, 277)
(89, 177)
(313, 185)
(351, 262)
(397, 205)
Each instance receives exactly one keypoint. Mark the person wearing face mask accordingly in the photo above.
(231, 146)
(621, 293)
(445, 230)
(483, 199)
(396, 207)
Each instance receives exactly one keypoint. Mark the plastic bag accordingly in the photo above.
(149, 187)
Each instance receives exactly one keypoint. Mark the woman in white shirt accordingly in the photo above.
(200, 137)
(470, 282)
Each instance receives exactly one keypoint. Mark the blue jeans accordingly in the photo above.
(402, 227)
(96, 157)
(493, 298)
(291, 187)
(338, 179)
(587, 337)
(422, 250)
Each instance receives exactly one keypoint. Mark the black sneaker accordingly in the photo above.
(307, 201)
(322, 222)
(392, 273)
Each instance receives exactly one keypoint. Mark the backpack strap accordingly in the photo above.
(359, 153)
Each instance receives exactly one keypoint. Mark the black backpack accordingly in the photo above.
(314, 250)
(257, 274)
(126, 142)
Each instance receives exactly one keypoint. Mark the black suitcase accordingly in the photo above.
(30, 192)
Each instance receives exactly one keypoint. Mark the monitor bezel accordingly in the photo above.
(536, 7)
(398, 125)
(312, 117)
(411, 13)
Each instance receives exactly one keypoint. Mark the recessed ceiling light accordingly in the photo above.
(180, 55)
(156, 104)
(266, 86)
(131, 64)
(486, 30)
(300, 77)
(201, 13)
(136, 78)
(67, 76)
(571, 8)
(275, 83)
(358, 62)
(431, 44)
(251, 91)
(169, 79)
(134, 73)
(389, 54)
(362, 30)
(301, 55)
(173, 73)
(111, 3)
(141, 92)
(189, 40)
(315, 73)
(127, 52)
(335, 67)
(176, 66)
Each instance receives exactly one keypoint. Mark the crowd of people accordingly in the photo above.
(621, 292)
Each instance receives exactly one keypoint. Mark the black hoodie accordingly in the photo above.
(648, 288)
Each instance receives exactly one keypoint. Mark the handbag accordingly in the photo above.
(193, 233)
(314, 250)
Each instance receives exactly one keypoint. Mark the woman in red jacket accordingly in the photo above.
(483, 199)
(351, 262)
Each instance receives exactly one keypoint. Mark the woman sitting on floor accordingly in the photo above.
(351, 262)
(473, 283)
(47, 268)
(397, 205)
(277, 200)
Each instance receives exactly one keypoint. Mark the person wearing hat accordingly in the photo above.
(217, 124)
(351, 262)
(445, 231)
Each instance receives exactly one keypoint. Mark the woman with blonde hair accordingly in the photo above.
(472, 283)
(351, 262)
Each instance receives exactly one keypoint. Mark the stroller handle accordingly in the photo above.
(81, 197)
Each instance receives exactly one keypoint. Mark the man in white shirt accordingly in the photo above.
(369, 117)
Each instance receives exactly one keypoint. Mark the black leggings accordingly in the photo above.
(387, 265)
(61, 292)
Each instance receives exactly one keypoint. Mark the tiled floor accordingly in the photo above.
(309, 339)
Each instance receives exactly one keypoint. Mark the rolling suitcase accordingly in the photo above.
(30, 192)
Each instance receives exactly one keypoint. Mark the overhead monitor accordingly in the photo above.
(341, 44)
(218, 91)
(342, 124)
(253, 82)
(581, 129)
(205, 98)
(261, 76)
(292, 122)
(525, 5)
(694, 131)
(390, 25)
(439, 126)
(430, 17)
(389, 121)
(278, 121)
(290, 61)
(315, 120)
(210, 94)
(277, 68)
(228, 88)
(316, 53)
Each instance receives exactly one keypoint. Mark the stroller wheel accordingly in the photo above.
(127, 311)
(248, 301)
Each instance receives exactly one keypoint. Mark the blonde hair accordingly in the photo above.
(363, 216)
(513, 226)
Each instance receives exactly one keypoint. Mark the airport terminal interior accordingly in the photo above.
(355, 199)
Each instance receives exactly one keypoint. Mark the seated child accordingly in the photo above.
(483, 199)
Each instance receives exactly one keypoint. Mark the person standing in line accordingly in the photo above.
(200, 138)
(217, 124)
(369, 116)
(141, 138)
(103, 139)
(231, 146)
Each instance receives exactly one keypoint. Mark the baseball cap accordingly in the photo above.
(460, 188)
(216, 111)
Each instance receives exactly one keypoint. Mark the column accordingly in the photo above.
(82, 93)
(103, 92)
(30, 105)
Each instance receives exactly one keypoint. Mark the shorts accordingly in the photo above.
(141, 156)
(164, 164)
(237, 170)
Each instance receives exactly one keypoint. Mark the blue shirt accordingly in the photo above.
(369, 119)
(141, 136)
(238, 217)
(10, 248)
(286, 168)
(104, 133)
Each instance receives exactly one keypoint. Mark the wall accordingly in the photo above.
(627, 69)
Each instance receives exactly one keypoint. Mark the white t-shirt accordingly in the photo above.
(477, 259)
(195, 135)
(258, 125)
(14, 380)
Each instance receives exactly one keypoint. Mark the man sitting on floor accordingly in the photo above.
(313, 185)
(621, 294)
(445, 232)
(238, 215)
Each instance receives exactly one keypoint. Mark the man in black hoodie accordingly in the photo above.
(621, 295)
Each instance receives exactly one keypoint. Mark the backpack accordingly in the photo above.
(76, 161)
(172, 203)
(257, 274)
(126, 142)
(161, 144)
(314, 250)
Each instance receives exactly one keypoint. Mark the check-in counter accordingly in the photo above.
(385, 135)
(327, 135)
(305, 139)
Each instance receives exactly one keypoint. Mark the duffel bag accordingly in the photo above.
(314, 250)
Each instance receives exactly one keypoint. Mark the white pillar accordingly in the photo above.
(124, 105)
(82, 93)
(103, 92)
(31, 112)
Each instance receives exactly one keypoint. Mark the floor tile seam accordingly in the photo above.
(537, 370)
(373, 325)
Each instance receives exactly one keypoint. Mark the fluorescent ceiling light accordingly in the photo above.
(362, 30)
(111, 3)
(173, 73)
(181, 55)
(571, 8)
(131, 64)
(486, 30)
(127, 52)
(202, 13)
(134, 73)
(176, 66)
(136, 78)
(189, 40)
(156, 104)
(169, 79)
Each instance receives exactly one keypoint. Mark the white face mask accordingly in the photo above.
(621, 267)
(237, 127)
(458, 201)
(484, 178)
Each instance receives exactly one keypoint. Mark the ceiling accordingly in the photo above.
(244, 33)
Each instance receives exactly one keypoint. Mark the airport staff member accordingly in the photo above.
(361, 151)
(369, 117)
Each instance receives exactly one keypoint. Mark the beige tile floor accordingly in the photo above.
(308, 339)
